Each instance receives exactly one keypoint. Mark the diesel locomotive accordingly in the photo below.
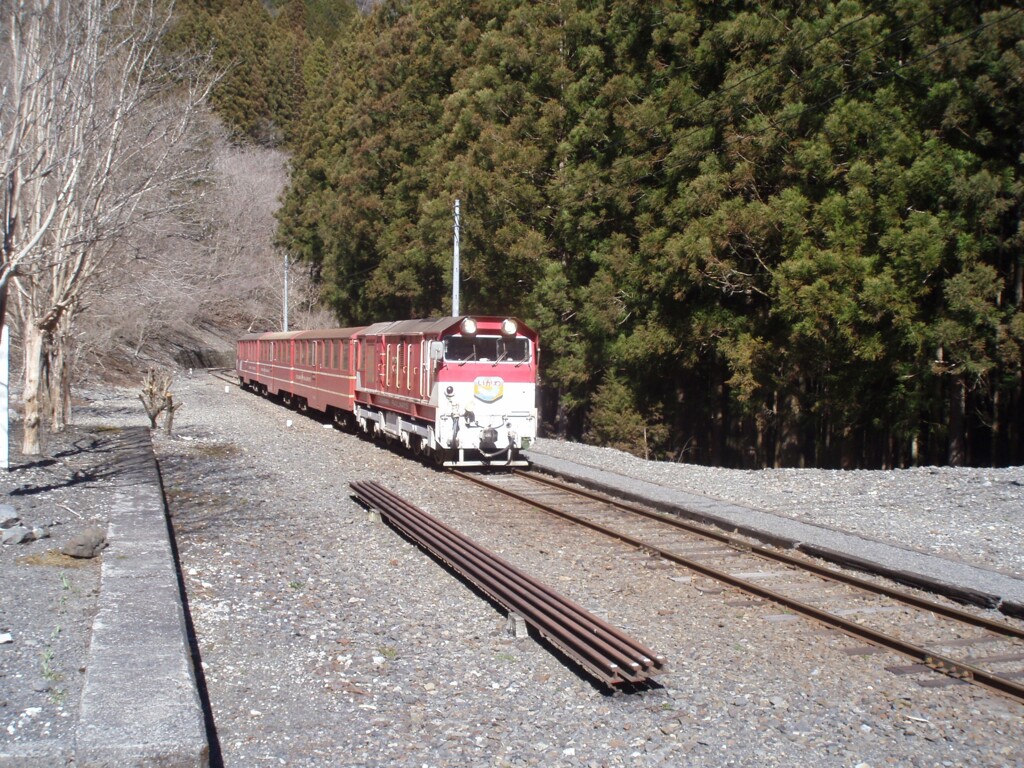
(459, 389)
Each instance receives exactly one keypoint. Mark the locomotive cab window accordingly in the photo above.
(486, 349)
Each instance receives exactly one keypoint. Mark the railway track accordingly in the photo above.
(227, 375)
(933, 636)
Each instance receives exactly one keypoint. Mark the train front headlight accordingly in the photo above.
(468, 326)
(509, 326)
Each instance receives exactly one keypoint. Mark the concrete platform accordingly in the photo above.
(960, 581)
(140, 704)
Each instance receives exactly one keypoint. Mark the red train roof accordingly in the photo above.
(316, 333)
(439, 326)
(429, 327)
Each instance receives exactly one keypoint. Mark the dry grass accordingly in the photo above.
(216, 450)
(54, 558)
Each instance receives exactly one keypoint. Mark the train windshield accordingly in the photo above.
(486, 349)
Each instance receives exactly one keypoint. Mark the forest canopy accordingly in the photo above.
(749, 234)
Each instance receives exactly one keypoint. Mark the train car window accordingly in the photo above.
(344, 356)
(368, 352)
(486, 349)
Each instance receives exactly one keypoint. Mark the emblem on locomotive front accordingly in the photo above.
(487, 389)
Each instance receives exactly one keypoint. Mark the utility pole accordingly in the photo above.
(455, 265)
(284, 325)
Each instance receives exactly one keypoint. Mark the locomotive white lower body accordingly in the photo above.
(480, 423)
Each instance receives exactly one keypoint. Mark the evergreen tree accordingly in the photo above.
(774, 234)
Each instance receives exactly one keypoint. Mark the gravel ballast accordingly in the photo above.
(327, 639)
(971, 514)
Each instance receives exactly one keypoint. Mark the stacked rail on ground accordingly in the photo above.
(603, 650)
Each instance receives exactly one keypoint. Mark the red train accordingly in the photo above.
(460, 389)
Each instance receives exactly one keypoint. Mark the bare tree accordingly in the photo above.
(250, 182)
(98, 138)
(37, 169)
(157, 398)
(209, 274)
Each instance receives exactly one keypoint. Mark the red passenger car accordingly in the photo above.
(462, 389)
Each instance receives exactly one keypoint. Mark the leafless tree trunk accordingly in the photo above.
(33, 339)
(169, 417)
(58, 370)
(99, 139)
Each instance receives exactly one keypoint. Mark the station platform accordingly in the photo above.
(959, 581)
(139, 704)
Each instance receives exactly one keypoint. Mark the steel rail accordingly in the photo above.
(607, 652)
(948, 611)
(938, 662)
(223, 375)
(412, 522)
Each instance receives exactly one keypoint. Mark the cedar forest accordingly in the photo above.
(749, 234)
